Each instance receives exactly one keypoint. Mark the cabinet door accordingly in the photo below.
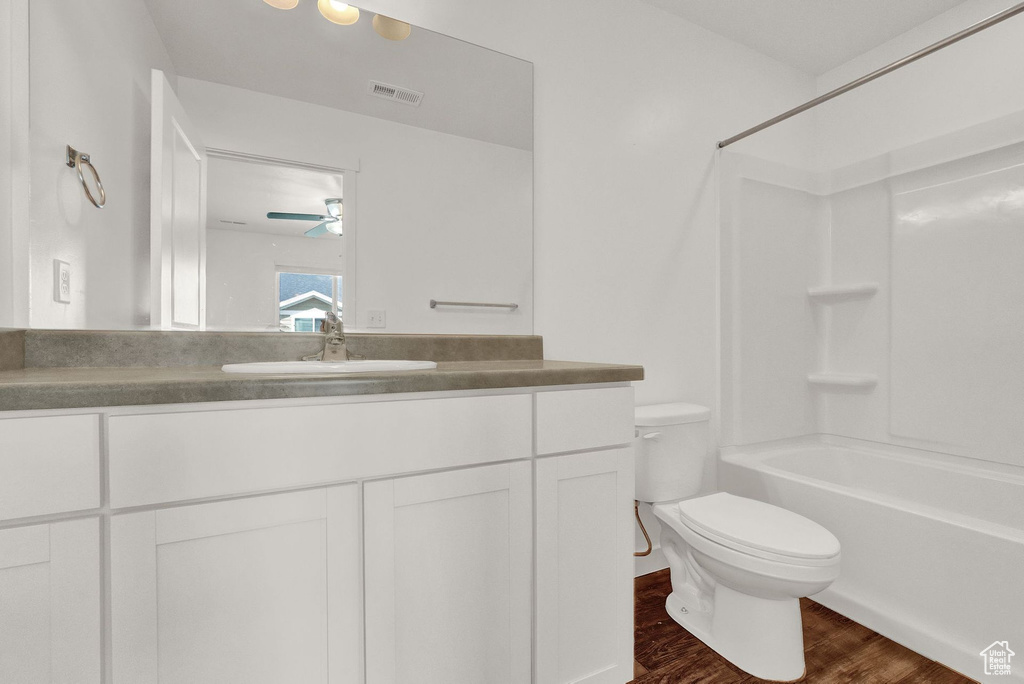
(251, 591)
(448, 577)
(50, 603)
(584, 575)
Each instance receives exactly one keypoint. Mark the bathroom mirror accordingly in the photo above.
(264, 165)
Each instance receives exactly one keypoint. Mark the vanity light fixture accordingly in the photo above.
(344, 14)
(389, 28)
(338, 12)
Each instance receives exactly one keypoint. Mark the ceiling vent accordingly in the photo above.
(387, 91)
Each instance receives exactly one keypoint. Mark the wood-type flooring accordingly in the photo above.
(837, 650)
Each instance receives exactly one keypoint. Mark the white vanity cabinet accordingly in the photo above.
(584, 537)
(50, 571)
(448, 577)
(261, 590)
(251, 591)
(477, 537)
(50, 624)
(585, 568)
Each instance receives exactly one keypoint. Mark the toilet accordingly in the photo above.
(739, 566)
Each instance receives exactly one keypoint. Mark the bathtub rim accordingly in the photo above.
(756, 457)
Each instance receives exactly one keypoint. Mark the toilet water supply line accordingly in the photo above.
(650, 546)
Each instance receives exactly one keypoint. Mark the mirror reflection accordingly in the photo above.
(297, 164)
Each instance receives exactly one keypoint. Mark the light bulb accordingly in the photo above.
(338, 12)
(282, 4)
(392, 29)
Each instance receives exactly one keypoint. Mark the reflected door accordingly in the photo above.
(177, 215)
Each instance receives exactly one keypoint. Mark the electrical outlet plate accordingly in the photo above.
(61, 281)
(376, 318)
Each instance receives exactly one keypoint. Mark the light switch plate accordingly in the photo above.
(61, 281)
(376, 318)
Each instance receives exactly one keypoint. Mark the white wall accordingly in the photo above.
(973, 81)
(629, 102)
(928, 140)
(90, 80)
(770, 332)
(436, 216)
(6, 169)
(241, 274)
(961, 101)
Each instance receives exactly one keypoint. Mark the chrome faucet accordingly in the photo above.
(335, 348)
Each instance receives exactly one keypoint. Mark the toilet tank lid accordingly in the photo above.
(670, 414)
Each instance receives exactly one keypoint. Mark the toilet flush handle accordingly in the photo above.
(652, 435)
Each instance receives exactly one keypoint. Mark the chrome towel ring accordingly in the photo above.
(77, 160)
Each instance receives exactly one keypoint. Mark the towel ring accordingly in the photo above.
(77, 160)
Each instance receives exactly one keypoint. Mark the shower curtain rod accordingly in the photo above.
(934, 47)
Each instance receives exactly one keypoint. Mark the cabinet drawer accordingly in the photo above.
(573, 420)
(180, 456)
(49, 465)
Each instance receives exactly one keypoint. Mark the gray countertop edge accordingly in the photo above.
(111, 391)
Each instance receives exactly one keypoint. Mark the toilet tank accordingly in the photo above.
(671, 446)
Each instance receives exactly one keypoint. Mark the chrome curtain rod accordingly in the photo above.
(934, 47)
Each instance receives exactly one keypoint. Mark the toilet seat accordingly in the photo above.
(759, 529)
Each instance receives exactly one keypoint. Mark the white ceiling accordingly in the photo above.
(813, 36)
(240, 193)
(468, 90)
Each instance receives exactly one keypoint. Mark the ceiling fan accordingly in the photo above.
(329, 223)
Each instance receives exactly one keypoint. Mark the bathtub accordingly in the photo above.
(933, 547)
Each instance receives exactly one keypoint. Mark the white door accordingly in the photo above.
(448, 577)
(584, 630)
(50, 603)
(251, 591)
(177, 215)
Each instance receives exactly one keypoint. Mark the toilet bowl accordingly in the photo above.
(739, 567)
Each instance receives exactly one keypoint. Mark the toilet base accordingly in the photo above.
(763, 637)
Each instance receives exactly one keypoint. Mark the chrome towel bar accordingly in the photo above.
(435, 303)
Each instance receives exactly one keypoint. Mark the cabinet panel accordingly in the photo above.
(255, 590)
(49, 465)
(584, 628)
(573, 420)
(50, 603)
(180, 456)
(448, 577)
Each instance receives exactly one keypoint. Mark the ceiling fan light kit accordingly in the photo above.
(329, 223)
(344, 14)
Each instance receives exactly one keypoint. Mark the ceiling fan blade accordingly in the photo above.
(317, 231)
(334, 207)
(295, 217)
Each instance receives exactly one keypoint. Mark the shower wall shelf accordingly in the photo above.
(841, 380)
(827, 294)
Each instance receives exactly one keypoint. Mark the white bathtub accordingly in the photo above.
(933, 550)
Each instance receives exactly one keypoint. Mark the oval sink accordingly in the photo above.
(326, 367)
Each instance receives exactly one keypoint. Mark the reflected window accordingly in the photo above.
(305, 299)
